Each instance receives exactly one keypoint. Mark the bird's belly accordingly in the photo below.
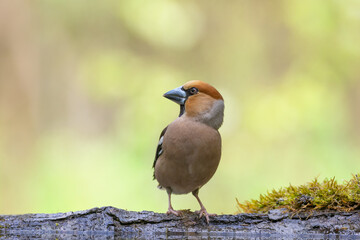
(186, 169)
(184, 179)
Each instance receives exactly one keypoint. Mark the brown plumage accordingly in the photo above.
(189, 148)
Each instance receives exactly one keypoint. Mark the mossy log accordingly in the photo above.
(113, 223)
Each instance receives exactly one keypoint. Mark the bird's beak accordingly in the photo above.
(177, 95)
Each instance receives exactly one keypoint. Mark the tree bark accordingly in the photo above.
(113, 223)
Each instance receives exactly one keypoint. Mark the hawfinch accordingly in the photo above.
(189, 148)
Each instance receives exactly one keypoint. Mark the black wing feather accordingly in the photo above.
(159, 149)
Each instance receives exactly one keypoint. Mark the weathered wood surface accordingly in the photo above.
(113, 223)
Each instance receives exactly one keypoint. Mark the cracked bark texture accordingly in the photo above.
(113, 223)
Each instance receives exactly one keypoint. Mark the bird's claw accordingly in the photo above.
(172, 211)
(204, 213)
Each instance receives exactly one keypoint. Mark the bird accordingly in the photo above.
(189, 148)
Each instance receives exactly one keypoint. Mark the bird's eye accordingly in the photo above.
(193, 90)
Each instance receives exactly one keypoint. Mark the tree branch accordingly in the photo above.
(108, 221)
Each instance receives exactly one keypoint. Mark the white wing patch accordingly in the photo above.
(161, 140)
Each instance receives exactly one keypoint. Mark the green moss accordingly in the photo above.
(315, 195)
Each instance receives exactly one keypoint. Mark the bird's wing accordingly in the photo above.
(159, 149)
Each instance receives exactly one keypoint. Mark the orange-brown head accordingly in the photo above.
(200, 101)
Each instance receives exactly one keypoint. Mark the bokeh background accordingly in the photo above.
(81, 105)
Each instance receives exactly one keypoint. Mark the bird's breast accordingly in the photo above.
(191, 141)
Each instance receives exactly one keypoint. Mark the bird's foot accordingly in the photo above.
(204, 213)
(172, 211)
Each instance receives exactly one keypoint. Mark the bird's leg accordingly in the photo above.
(170, 209)
(202, 211)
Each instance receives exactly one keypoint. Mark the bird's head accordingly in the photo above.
(200, 101)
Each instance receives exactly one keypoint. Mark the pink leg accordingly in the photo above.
(170, 209)
(202, 211)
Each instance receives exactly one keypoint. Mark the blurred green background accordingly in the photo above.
(81, 105)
